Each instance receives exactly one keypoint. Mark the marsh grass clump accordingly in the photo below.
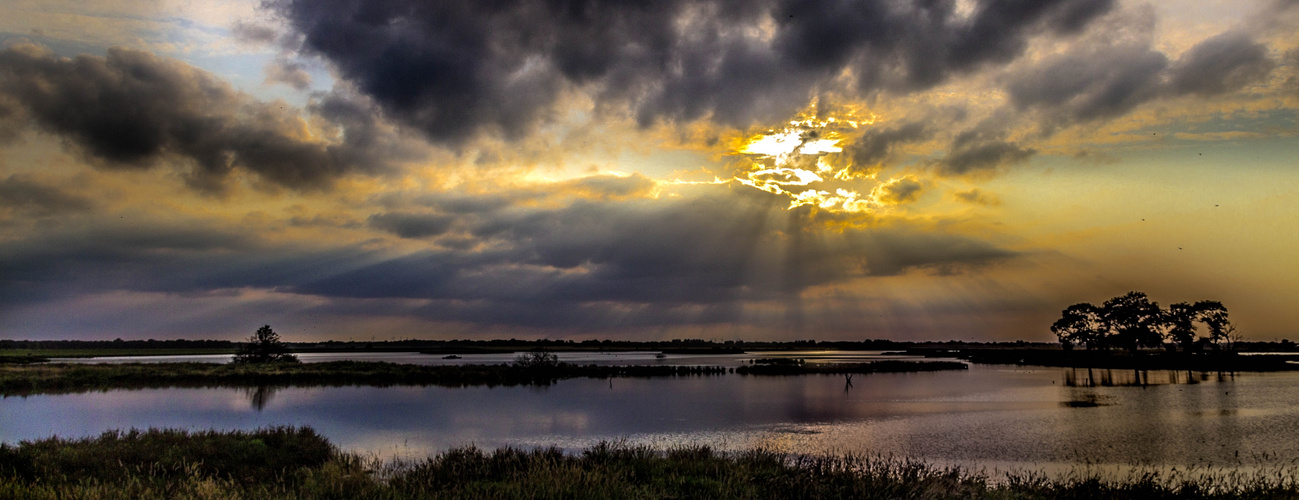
(255, 457)
(298, 463)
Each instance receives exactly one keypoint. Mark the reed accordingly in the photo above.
(298, 463)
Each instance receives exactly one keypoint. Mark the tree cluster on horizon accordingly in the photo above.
(1132, 321)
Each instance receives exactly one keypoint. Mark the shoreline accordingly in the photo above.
(30, 379)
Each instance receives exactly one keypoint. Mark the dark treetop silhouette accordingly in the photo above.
(1133, 321)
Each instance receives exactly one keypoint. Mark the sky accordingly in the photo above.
(713, 169)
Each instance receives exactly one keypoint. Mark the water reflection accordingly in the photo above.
(1104, 377)
(260, 395)
(995, 416)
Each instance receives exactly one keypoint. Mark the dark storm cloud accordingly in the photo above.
(1220, 64)
(454, 69)
(132, 109)
(22, 193)
(1093, 82)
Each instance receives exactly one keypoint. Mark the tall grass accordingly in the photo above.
(298, 463)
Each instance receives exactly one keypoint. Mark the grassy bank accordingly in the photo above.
(298, 463)
(27, 379)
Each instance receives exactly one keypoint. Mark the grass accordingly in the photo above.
(26, 379)
(298, 463)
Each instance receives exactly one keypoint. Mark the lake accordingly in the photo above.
(990, 416)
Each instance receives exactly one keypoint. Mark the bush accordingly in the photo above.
(539, 360)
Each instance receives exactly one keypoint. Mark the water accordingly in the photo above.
(988, 417)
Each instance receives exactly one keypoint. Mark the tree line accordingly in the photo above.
(1133, 321)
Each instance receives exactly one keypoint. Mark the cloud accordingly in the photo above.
(978, 196)
(1220, 64)
(869, 151)
(586, 265)
(608, 187)
(456, 69)
(410, 225)
(290, 73)
(1107, 79)
(132, 110)
(898, 191)
(1090, 83)
(981, 149)
(607, 260)
(99, 254)
(23, 193)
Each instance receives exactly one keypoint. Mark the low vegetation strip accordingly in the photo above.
(1126, 360)
(848, 368)
(64, 378)
(298, 463)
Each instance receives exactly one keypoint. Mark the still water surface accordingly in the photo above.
(987, 417)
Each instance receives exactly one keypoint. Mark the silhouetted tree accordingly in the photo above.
(1134, 321)
(264, 346)
(1180, 321)
(1214, 316)
(1080, 324)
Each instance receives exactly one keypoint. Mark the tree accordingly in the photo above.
(1181, 324)
(1182, 318)
(1214, 316)
(1080, 324)
(264, 346)
(1134, 320)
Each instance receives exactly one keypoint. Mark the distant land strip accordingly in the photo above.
(56, 378)
(1121, 360)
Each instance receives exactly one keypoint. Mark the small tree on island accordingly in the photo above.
(264, 347)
